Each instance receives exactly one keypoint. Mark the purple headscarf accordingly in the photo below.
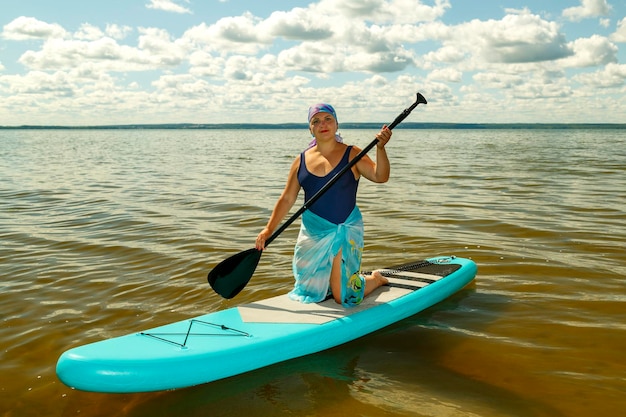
(323, 108)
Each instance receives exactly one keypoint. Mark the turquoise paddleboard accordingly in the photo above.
(250, 336)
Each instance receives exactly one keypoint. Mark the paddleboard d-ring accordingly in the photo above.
(446, 259)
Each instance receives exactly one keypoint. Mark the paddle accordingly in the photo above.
(230, 276)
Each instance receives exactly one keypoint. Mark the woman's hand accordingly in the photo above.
(383, 137)
(261, 238)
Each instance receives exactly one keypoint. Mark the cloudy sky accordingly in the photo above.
(77, 62)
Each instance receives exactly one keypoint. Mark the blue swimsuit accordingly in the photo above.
(336, 204)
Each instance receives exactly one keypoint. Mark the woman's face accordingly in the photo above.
(322, 125)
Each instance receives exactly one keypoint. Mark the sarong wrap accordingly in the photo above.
(318, 243)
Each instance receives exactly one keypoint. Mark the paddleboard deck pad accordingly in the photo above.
(247, 337)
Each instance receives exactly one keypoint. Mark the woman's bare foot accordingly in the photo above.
(374, 281)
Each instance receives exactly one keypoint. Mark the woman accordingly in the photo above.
(327, 257)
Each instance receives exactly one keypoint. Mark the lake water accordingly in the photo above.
(108, 232)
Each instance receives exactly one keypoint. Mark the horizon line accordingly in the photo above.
(344, 125)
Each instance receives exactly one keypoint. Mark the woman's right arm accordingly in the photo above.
(286, 200)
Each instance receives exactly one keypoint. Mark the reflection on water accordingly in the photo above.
(104, 233)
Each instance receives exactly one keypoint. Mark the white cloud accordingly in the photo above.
(58, 83)
(448, 54)
(498, 80)
(613, 75)
(88, 32)
(23, 28)
(515, 86)
(382, 11)
(231, 35)
(620, 33)
(319, 57)
(203, 64)
(590, 52)
(328, 57)
(117, 32)
(587, 9)
(391, 61)
(450, 75)
(298, 24)
(154, 50)
(517, 38)
(157, 47)
(168, 6)
(182, 85)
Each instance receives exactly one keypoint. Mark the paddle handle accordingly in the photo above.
(333, 180)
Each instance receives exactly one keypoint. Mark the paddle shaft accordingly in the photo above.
(333, 180)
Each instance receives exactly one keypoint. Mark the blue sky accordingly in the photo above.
(227, 61)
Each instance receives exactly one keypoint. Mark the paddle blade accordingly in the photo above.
(231, 275)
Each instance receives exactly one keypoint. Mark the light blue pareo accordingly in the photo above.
(318, 243)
